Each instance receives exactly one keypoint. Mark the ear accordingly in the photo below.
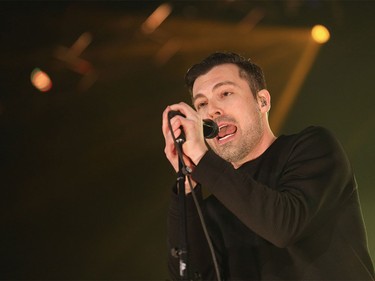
(264, 100)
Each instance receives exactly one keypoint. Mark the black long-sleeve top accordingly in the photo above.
(291, 214)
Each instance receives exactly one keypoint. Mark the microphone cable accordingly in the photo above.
(187, 172)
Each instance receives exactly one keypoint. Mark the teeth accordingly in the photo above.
(222, 126)
(225, 137)
(225, 133)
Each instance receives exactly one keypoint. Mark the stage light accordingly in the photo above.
(320, 34)
(41, 80)
(156, 18)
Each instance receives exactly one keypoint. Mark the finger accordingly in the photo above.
(165, 120)
(175, 121)
(171, 153)
(182, 107)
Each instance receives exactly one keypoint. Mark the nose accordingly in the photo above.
(214, 110)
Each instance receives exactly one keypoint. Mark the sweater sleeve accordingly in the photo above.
(314, 178)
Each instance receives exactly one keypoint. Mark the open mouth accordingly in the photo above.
(226, 131)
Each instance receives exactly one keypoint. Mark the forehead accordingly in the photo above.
(216, 76)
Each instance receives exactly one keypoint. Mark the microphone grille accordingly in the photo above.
(210, 129)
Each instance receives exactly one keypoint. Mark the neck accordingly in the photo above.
(264, 143)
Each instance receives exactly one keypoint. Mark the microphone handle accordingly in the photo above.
(210, 128)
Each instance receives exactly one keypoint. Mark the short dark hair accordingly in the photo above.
(248, 70)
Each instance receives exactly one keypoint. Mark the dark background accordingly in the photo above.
(84, 181)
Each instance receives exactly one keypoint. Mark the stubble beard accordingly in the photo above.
(237, 152)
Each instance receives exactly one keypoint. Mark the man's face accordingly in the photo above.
(222, 95)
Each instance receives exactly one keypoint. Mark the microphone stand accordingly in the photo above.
(182, 251)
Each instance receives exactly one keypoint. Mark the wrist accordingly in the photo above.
(199, 156)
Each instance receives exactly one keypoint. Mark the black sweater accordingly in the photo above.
(291, 214)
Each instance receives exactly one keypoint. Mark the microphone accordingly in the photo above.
(210, 128)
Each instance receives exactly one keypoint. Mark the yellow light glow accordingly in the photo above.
(41, 80)
(320, 34)
(156, 18)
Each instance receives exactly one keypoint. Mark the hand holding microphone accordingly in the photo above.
(210, 128)
(189, 130)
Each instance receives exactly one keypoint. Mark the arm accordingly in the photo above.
(313, 179)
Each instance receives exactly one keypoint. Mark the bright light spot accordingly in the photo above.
(156, 18)
(41, 80)
(320, 34)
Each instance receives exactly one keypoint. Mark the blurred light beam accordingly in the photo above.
(156, 18)
(167, 51)
(290, 93)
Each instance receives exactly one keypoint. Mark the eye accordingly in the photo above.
(201, 105)
(226, 94)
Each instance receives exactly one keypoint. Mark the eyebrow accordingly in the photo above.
(223, 84)
(218, 85)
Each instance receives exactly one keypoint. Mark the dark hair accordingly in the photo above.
(247, 70)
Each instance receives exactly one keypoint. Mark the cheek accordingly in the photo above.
(249, 117)
(211, 144)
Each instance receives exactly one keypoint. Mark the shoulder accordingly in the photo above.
(309, 141)
(316, 142)
(317, 133)
(315, 138)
